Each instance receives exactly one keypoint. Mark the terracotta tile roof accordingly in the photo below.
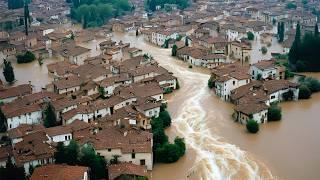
(33, 147)
(61, 68)
(140, 89)
(59, 171)
(24, 129)
(228, 71)
(265, 64)
(69, 82)
(251, 108)
(114, 171)
(128, 140)
(17, 111)
(272, 86)
(57, 130)
(17, 91)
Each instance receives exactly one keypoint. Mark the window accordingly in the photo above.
(66, 138)
(142, 162)
(133, 155)
(109, 150)
(272, 97)
(252, 72)
(234, 82)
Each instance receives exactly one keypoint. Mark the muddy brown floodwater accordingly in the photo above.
(218, 148)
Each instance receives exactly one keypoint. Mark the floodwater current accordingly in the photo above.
(217, 147)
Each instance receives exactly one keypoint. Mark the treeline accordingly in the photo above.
(152, 4)
(94, 13)
(304, 53)
(164, 151)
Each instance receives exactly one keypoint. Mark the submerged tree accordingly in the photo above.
(8, 72)
(174, 50)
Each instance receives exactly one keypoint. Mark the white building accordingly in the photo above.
(131, 145)
(264, 69)
(31, 114)
(254, 111)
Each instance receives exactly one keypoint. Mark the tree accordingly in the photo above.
(26, 57)
(294, 54)
(186, 43)
(250, 35)
(316, 30)
(50, 118)
(181, 144)
(164, 116)
(274, 113)
(60, 154)
(96, 163)
(252, 126)
(304, 92)
(72, 153)
(264, 50)
(26, 16)
(281, 31)
(168, 153)
(174, 50)
(8, 72)
(211, 83)
(312, 83)
(115, 159)
(2, 122)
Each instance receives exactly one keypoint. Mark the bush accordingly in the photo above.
(181, 144)
(168, 153)
(274, 113)
(252, 126)
(264, 50)
(304, 92)
(250, 35)
(165, 118)
(312, 83)
(210, 84)
(26, 57)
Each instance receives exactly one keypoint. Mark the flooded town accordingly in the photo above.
(159, 89)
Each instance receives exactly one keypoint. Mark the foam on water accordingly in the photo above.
(216, 159)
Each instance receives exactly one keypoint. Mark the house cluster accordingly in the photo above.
(253, 88)
(106, 101)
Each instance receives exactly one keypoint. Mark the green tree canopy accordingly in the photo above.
(60, 154)
(26, 57)
(96, 163)
(50, 119)
(72, 153)
(252, 126)
(174, 50)
(8, 72)
(274, 113)
(304, 92)
(250, 35)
